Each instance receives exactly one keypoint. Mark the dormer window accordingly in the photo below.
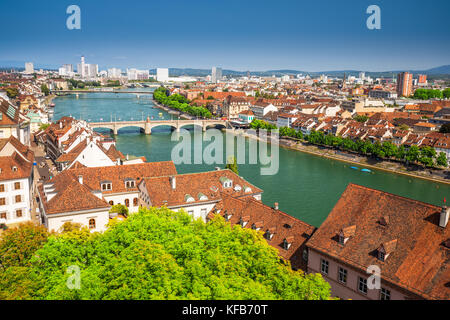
(226, 182)
(130, 183)
(14, 169)
(257, 225)
(244, 220)
(269, 234)
(227, 216)
(386, 249)
(106, 185)
(287, 242)
(345, 234)
(202, 197)
(189, 198)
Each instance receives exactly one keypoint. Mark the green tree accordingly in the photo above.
(45, 89)
(232, 164)
(446, 93)
(44, 126)
(120, 209)
(18, 245)
(445, 128)
(12, 92)
(441, 160)
(161, 254)
(413, 153)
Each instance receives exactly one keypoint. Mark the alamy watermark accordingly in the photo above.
(74, 20)
(263, 149)
(74, 280)
(374, 20)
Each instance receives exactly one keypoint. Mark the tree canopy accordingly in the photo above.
(179, 102)
(160, 254)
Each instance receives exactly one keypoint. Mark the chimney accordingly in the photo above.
(173, 182)
(60, 125)
(443, 219)
(80, 179)
(275, 206)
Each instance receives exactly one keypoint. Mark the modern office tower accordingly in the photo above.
(162, 74)
(216, 74)
(66, 70)
(81, 68)
(404, 84)
(29, 67)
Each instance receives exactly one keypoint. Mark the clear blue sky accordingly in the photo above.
(242, 35)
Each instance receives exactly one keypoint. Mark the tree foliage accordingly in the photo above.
(160, 254)
(179, 102)
(232, 165)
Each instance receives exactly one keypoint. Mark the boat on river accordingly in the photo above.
(366, 170)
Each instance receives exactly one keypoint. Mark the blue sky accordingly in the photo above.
(241, 35)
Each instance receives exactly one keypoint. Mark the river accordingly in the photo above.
(306, 186)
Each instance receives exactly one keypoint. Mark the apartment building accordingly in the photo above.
(16, 181)
(406, 242)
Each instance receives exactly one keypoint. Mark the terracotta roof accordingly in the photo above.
(419, 262)
(209, 184)
(275, 224)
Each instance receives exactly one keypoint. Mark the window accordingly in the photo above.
(381, 255)
(203, 213)
(130, 184)
(362, 285)
(106, 186)
(127, 202)
(16, 185)
(19, 213)
(191, 212)
(342, 275)
(385, 294)
(3, 215)
(91, 223)
(2, 201)
(2, 188)
(324, 266)
(111, 202)
(135, 202)
(18, 198)
(305, 255)
(341, 239)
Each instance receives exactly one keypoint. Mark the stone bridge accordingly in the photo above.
(147, 126)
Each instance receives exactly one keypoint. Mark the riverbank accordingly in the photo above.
(342, 156)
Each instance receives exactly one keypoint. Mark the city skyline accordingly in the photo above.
(311, 37)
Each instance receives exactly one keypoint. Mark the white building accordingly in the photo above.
(85, 195)
(135, 74)
(16, 181)
(114, 73)
(162, 74)
(29, 67)
(216, 74)
(196, 193)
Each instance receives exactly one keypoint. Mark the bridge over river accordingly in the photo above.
(148, 125)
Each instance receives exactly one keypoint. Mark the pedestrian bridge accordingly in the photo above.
(147, 126)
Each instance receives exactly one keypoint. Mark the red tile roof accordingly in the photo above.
(418, 262)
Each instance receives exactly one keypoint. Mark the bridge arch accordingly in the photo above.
(120, 128)
(162, 125)
(192, 124)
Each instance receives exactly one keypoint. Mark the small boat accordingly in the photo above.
(366, 170)
(354, 168)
